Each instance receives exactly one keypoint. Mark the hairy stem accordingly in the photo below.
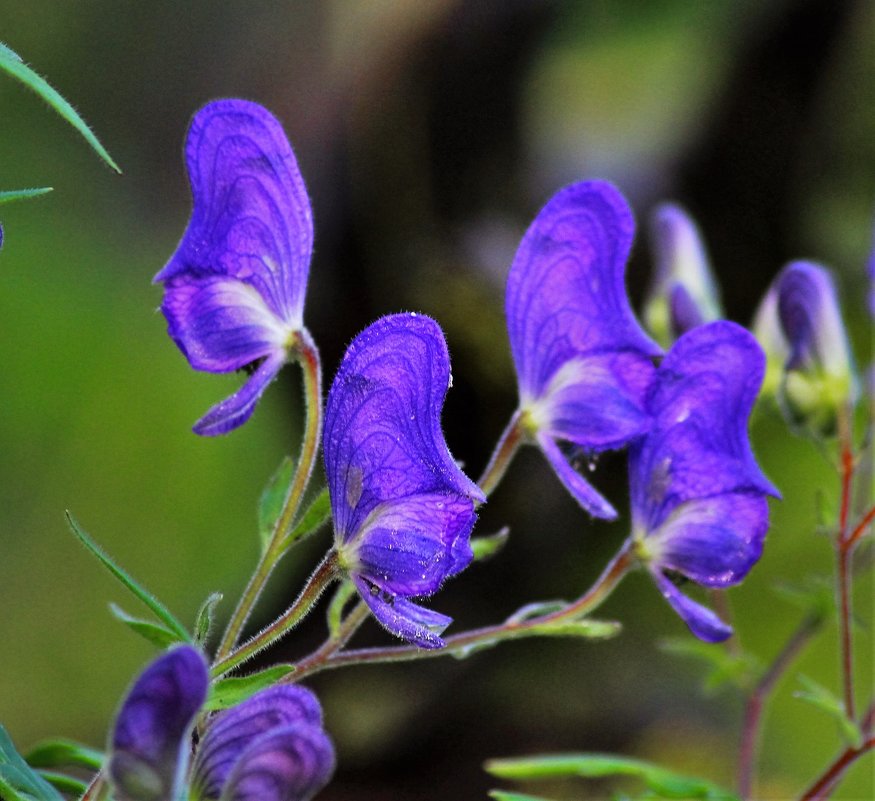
(309, 357)
(508, 444)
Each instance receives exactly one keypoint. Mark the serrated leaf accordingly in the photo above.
(158, 609)
(487, 546)
(53, 753)
(12, 63)
(317, 514)
(204, 620)
(155, 633)
(8, 195)
(18, 781)
(825, 700)
(342, 595)
(226, 693)
(501, 795)
(273, 497)
(665, 783)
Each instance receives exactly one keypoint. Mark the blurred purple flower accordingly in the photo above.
(583, 362)
(269, 748)
(697, 493)
(151, 740)
(234, 288)
(403, 511)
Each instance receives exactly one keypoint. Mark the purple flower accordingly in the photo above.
(234, 288)
(403, 511)
(698, 496)
(269, 748)
(151, 740)
(583, 362)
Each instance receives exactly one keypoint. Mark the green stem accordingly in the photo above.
(510, 441)
(324, 574)
(308, 354)
(466, 641)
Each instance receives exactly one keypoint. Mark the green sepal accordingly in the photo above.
(661, 781)
(317, 514)
(11, 62)
(226, 693)
(489, 545)
(158, 609)
(204, 620)
(825, 700)
(343, 594)
(501, 795)
(272, 500)
(8, 195)
(724, 667)
(66, 784)
(18, 781)
(52, 753)
(155, 633)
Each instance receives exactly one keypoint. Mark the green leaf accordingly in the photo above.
(724, 667)
(825, 700)
(155, 633)
(11, 62)
(204, 620)
(501, 795)
(226, 693)
(317, 514)
(487, 546)
(158, 609)
(273, 497)
(664, 783)
(815, 595)
(8, 195)
(64, 783)
(343, 594)
(586, 628)
(18, 781)
(52, 753)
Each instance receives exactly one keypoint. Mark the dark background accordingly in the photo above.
(429, 134)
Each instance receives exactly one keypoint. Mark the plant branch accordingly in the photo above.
(505, 450)
(823, 786)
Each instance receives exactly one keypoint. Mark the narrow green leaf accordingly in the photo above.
(343, 594)
(53, 753)
(317, 514)
(155, 633)
(11, 62)
(158, 609)
(8, 195)
(587, 629)
(226, 693)
(501, 795)
(825, 700)
(273, 497)
(204, 620)
(64, 783)
(487, 546)
(18, 781)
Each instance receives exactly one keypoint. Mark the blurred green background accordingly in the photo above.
(429, 133)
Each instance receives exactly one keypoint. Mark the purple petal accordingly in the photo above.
(400, 617)
(382, 440)
(584, 493)
(291, 763)
(701, 400)
(684, 313)
(410, 546)
(236, 410)
(565, 292)
(714, 541)
(701, 620)
(151, 738)
(230, 733)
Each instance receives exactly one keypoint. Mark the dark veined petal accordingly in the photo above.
(701, 399)
(230, 733)
(584, 493)
(700, 620)
(382, 439)
(401, 617)
(291, 763)
(151, 739)
(713, 541)
(566, 295)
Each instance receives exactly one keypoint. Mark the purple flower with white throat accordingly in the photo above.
(271, 747)
(403, 510)
(698, 497)
(583, 362)
(234, 288)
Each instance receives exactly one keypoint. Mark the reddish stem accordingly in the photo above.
(824, 785)
(860, 530)
(844, 566)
